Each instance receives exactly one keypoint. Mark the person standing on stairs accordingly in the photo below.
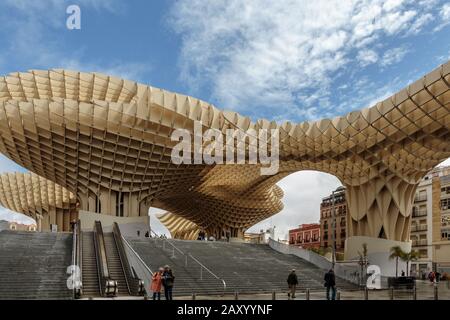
(292, 281)
(156, 283)
(168, 280)
(330, 284)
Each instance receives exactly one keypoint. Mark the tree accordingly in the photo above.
(396, 253)
(408, 257)
(363, 261)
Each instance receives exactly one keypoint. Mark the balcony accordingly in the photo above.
(422, 242)
(422, 197)
(419, 213)
(416, 228)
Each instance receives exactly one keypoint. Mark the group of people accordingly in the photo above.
(148, 235)
(329, 284)
(434, 276)
(162, 279)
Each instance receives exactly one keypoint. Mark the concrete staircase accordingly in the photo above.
(33, 265)
(246, 268)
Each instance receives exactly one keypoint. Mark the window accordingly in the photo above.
(445, 204)
(119, 204)
(98, 205)
(446, 190)
(423, 253)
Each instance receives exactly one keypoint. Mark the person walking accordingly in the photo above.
(168, 280)
(156, 283)
(330, 284)
(292, 281)
(432, 277)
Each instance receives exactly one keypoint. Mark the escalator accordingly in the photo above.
(116, 271)
(103, 264)
(90, 277)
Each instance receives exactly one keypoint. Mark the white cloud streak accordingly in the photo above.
(283, 55)
(303, 193)
(393, 56)
(9, 215)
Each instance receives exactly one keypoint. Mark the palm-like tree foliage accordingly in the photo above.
(408, 257)
(396, 253)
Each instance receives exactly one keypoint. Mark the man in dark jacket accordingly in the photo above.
(167, 281)
(330, 284)
(292, 281)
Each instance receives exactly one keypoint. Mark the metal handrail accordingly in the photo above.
(100, 282)
(108, 286)
(209, 271)
(75, 267)
(79, 248)
(74, 259)
(167, 241)
(137, 255)
(101, 251)
(202, 266)
(122, 257)
(133, 282)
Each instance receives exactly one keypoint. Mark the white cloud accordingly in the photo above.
(126, 70)
(303, 193)
(445, 163)
(12, 216)
(445, 11)
(366, 57)
(392, 4)
(445, 17)
(284, 54)
(419, 23)
(393, 56)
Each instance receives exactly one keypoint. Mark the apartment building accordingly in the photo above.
(430, 226)
(305, 236)
(339, 226)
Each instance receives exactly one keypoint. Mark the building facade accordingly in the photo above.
(333, 219)
(257, 237)
(15, 226)
(305, 236)
(430, 227)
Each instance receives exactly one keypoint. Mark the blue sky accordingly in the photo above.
(280, 60)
